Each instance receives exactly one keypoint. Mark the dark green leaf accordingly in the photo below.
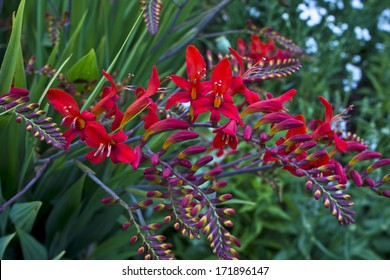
(23, 214)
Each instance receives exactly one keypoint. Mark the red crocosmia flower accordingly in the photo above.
(193, 87)
(269, 105)
(226, 135)
(67, 106)
(323, 130)
(108, 103)
(237, 85)
(218, 100)
(143, 101)
(107, 145)
(151, 116)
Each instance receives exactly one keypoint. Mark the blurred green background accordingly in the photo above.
(348, 46)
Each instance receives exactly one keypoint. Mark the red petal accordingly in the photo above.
(218, 142)
(69, 135)
(196, 66)
(117, 119)
(122, 153)
(96, 134)
(154, 83)
(109, 77)
(231, 112)
(328, 109)
(119, 137)
(181, 82)
(222, 74)
(340, 143)
(180, 97)
(238, 58)
(287, 96)
(63, 102)
(94, 159)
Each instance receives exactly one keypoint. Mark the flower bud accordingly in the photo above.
(296, 139)
(191, 151)
(247, 133)
(179, 137)
(355, 176)
(366, 155)
(377, 164)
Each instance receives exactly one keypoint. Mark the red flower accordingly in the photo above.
(144, 101)
(269, 105)
(226, 135)
(193, 87)
(108, 103)
(218, 100)
(238, 86)
(323, 130)
(107, 145)
(67, 106)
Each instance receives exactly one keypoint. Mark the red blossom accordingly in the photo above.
(226, 135)
(193, 87)
(218, 100)
(107, 145)
(68, 107)
(323, 130)
(270, 105)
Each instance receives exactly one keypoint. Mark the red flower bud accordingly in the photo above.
(179, 137)
(286, 124)
(355, 176)
(275, 117)
(247, 133)
(296, 139)
(377, 164)
(366, 155)
(164, 125)
(191, 151)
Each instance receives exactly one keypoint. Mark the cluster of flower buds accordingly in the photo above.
(54, 26)
(37, 123)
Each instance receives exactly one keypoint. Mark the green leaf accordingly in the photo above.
(31, 248)
(60, 255)
(23, 214)
(85, 68)
(64, 208)
(4, 243)
(8, 66)
(20, 77)
(97, 88)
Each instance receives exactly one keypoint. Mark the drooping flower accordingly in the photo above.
(68, 107)
(193, 87)
(107, 145)
(226, 135)
(218, 100)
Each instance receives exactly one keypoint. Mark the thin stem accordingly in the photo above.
(246, 170)
(26, 188)
(241, 159)
(224, 33)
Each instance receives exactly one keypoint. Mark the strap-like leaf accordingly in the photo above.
(152, 11)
